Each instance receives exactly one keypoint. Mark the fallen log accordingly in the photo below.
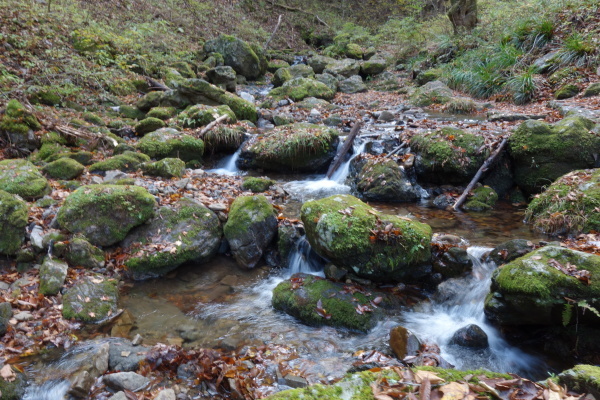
(337, 160)
(488, 163)
(212, 125)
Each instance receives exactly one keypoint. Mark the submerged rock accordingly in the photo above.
(403, 342)
(531, 290)
(13, 219)
(250, 228)
(543, 152)
(366, 242)
(105, 213)
(297, 147)
(187, 231)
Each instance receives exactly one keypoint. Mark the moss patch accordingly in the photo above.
(201, 115)
(23, 178)
(171, 143)
(63, 168)
(298, 89)
(148, 125)
(13, 219)
(162, 113)
(257, 185)
(128, 161)
(167, 168)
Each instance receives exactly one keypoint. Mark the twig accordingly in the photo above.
(480, 172)
(274, 32)
(212, 125)
(397, 149)
(302, 11)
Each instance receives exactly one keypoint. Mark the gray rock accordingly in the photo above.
(237, 54)
(511, 250)
(91, 299)
(354, 84)
(37, 238)
(166, 394)
(52, 276)
(123, 356)
(5, 316)
(319, 63)
(81, 385)
(403, 342)
(470, 336)
(329, 80)
(222, 76)
(545, 63)
(114, 175)
(23, 316)
(345, 68)
(295, 381)
(119, 396)
(83, 253)
(126, 381)
(385, 116)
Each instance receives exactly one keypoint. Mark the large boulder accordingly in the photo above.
(250, 228)
(171, 143)
(223, 77)
(373, 66)
(127, 162)
(319, 63)
(343, 68)
(569, 205)
(316, 301)
(91, 299)
(531, 290)
(185, 231)
(282, 75)
(382, 179)
(52, 276)
(297, 147)
(18, 126)
(13, 219)
(64, 168)
(167, 168)
(200, 115)
(353, 84)
(543, 152)
(298, 89)
(104, 214)
(23, 178)
(365, 242)
(448, 155)
(238, 54)
(82, 253)
(434, 92)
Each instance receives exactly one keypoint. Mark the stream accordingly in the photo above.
(219, 305)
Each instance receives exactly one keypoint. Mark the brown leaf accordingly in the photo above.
(7, 373)
(455, 391)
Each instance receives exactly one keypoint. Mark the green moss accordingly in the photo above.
(274, 65)
(582, 378)
(346, 238)
(13, 219)
(567, 91)
(201, 115)
(17, 119)
(98, 289)
(148, 125)
(354, 51)
(298, 89)
(455, 375)
(131, 112)
(592, 90)
(384, 180)
(49, 150)
(167, 168)
(429, 76)
(244, 211)
(281, 76)
(63, 168)
(122, 87)
(481, 199)
(14, 390)
(82, 157)
(257, 185)
(53, 137)
(171, 143)
(45, 95)
(83, 253)
(184, 69)
(93, 119)
(23, 178)
(105, 213)
(128, 161)
(569, 205)
(162, 113)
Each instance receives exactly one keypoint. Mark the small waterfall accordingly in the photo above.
(227, 166)
(342, 172)
(304, 259)
(461, 303)
(49, 390)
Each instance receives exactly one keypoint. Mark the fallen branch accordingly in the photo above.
(212, 125)
(480, 172)
(302, 11)
(397, 149)
(156, 85)
(69, 131)
(337, 160)
(274, 32)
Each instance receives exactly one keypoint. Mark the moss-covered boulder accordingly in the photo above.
(343, 68)
(82, 157)
(104, 214)
(257, 185)
(482, 198)
(429, 75)
(91, 299)
(52, 276)
(162, 113)
(582, 379)
(167, 168)
(18, 126)
(13, 219)
(224, 139)
(145, 104)
(237, 54)
(201, 115)
(434, 92)
(448, 155)
(23, 178)
(283, 75)
(63, 168)
(186, 231)
(298, 89)
(569, 206)
(275, 64)
(223, 76)
(363, 241)
(592, 90)
(298, 147)
(543, 152)
(329, 80)
(382, 179)
(81, 253)
(567, 91)
(373, 66)
(299, 297)
(250, 228)
(319, 63)
(531, 290)
(126, 162)
(46, 95)
(93, 119)
(171, 143)
(149, 124)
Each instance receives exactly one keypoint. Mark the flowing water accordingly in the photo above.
(228, 165)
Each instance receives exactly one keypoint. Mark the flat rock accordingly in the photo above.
(118, 362)
(126, 381)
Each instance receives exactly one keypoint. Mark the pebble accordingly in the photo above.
(137, 340)
(24, 316)
(37, 237)
(217, 207)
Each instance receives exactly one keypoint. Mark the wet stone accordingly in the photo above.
(403, 342)
(126, 381)
(295, 381)
(134, 355)
(470, 336)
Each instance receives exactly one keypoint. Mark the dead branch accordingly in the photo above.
(156, 85)
(397, 149)
(212, 125)
(69, 131)
(274, 32)
(301, 11)
(345, 148)
(488, 163)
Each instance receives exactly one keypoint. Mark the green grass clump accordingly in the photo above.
(579, 50)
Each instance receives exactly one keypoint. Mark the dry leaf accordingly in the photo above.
(7, 373)
(455, 391)
(420, 376)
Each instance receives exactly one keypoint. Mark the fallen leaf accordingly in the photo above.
(7, 373)
(454, 391)
(420, 376)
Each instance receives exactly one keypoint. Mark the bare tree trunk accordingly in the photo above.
(463, 14)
